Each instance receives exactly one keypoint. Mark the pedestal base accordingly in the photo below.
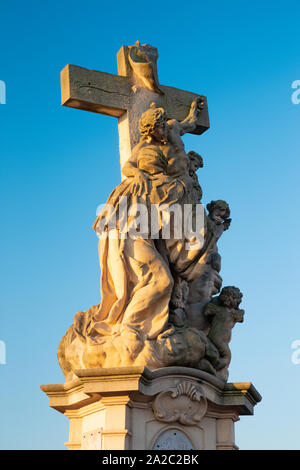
(133, 408)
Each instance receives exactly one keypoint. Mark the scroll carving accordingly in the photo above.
(185, 404)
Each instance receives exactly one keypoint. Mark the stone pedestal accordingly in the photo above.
(133, 408)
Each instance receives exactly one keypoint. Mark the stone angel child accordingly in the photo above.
(205, 278)
(223, 313)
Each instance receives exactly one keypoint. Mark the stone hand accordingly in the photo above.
(140, 185)
(196, 107)
(226, 224)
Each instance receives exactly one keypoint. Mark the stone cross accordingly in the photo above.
(127, 95)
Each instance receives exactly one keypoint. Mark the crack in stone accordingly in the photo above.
(102, 89)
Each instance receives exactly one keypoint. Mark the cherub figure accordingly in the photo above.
(219, 212)
(223, 312)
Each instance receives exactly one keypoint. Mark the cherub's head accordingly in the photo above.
(218, 211)
(196, 161)
(231, 296)
(152, 124)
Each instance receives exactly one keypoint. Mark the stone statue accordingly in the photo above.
(157, 307)
(208, 282)
(223, 313)
(195, 162)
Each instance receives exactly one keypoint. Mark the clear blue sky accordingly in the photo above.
(59, 164)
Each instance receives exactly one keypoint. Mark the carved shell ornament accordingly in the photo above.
(185, 403)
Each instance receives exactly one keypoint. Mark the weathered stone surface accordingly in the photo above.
(95, 91)
(173, 439)
(185, 403)
(127, 95)
(117, 409)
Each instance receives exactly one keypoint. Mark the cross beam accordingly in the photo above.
(127, 95)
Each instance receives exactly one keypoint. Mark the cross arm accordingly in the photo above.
(95, 91)
(178, 104)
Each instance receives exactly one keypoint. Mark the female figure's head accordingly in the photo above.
(152, 124)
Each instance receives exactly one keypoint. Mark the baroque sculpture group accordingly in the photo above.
(159, 295)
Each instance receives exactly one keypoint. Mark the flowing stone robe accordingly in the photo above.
(136, 277)
(136, 281)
